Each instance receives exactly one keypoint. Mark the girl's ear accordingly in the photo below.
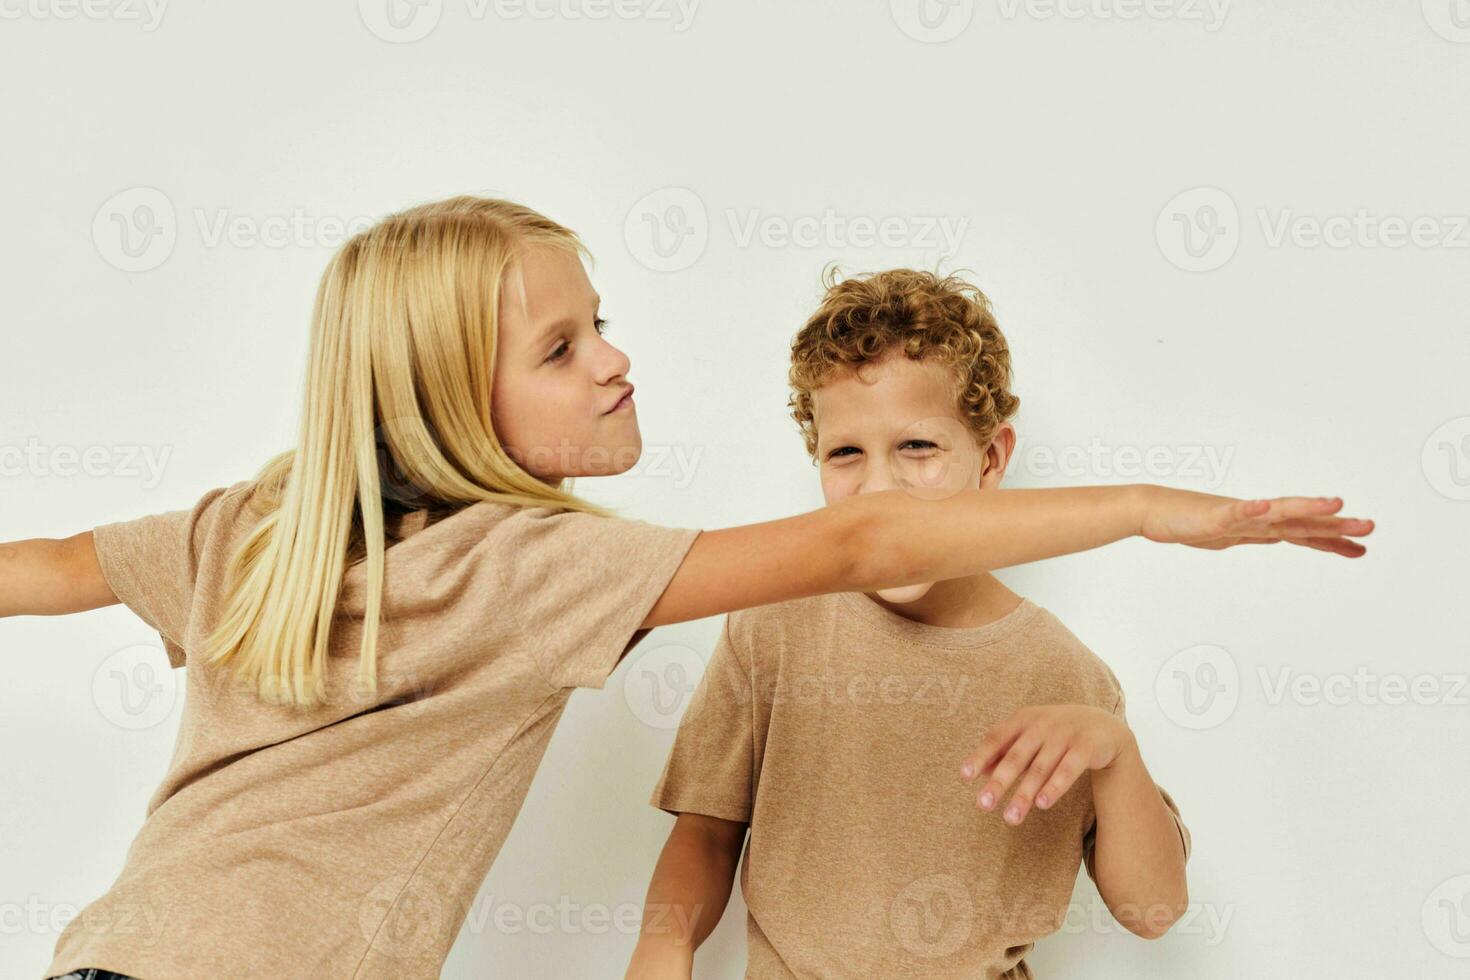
(997, 456)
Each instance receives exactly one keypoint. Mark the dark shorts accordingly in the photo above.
(92, 974)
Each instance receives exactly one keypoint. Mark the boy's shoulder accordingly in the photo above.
(1070, 664)
(778, 619)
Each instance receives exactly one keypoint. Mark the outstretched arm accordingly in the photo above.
(51, 577)
(894, 538)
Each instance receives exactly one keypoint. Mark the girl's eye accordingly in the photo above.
(841, 451)
(924, 444)
(598, 324)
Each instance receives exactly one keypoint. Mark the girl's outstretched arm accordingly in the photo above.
(894, 538)
(51, 577)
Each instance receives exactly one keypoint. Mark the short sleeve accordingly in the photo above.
(151, 564)
(711, 769)
(1089, 839)
(583, 584)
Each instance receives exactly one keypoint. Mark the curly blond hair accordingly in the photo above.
(927, 317)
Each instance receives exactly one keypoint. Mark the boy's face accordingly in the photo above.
(894, 424)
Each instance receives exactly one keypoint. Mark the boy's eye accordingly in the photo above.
(600, 325)
(923, 444)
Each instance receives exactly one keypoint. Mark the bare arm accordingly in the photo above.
(51, 577)
(893, 538)
(690, 888)
(1138, 854)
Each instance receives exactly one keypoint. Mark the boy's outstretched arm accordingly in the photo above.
(51, 577)
(690, 887)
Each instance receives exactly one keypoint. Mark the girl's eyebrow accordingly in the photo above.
(552, 329)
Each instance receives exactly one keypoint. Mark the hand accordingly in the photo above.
(1203, 520)
(1048, 747)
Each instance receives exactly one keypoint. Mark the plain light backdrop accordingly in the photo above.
(1227, 243)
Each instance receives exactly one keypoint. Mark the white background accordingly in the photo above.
(1330, 839)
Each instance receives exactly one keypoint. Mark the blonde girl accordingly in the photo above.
(385, 624)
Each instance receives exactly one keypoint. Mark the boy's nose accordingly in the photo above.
(879, 478)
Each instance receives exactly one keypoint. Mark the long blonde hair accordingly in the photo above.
(404, 334)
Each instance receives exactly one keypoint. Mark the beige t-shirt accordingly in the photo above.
(350, 840)
(835, 728)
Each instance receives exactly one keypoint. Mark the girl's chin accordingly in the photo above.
(906, 593)
(610, 460)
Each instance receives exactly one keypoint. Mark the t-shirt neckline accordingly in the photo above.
(879, 617)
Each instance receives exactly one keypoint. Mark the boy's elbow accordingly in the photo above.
(1153, 921)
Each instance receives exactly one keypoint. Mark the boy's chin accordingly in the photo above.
(906, 593)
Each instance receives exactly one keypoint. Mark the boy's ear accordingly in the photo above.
(997, 456)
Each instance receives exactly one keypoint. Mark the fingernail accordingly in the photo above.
(967, 770)
(1013, 814)
(1042, 801)
(987, 799)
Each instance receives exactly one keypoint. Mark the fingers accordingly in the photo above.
(993, 745)
(1280, 509)
(1073, 764)
(1290, 508)
(1037, 774)
(1015, 762)
(1307, 521)
(1324, 527)
(1337, 546)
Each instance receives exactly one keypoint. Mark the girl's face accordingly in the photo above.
(561, 403)
(894, 424)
